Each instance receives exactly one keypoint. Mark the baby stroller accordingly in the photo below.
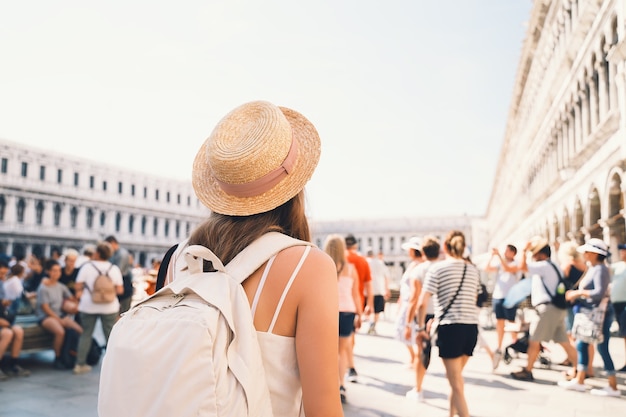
(521, 346)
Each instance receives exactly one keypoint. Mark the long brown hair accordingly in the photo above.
(226, 236)
(335, 247)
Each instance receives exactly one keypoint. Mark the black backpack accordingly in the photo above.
(558, 298)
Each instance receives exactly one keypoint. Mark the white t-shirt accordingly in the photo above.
(618, 282)
(378, 270)
(87, 275)
(538, 271)
(13, 288)
(504, 282)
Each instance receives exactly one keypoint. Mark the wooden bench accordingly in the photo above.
(35, 337)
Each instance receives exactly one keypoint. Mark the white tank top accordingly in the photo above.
(279, 354)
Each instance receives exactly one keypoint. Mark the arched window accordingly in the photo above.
(155, 227)
(103, 218)
(21, 207)
(3, 205)
(73, 217)
(89, 218)
(144, 221)
(131, 223)
(118, 221)
(177, 228)
(595, 210)
(57, 214)
(39, 213)
(167, 228)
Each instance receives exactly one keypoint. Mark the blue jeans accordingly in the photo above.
(603, 348)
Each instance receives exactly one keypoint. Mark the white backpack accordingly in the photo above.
(191, 348)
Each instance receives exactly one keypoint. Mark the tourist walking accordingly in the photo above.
(455, 284)
(380, 287)
(366, 293)
(350, 309)
(550, 322)
(91, 312)
(413, 248)
(430, 249)
(594, 291)
(506, 278)
(122, 258)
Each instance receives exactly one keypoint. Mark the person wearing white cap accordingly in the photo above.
(593, 287)
(618, 292)
(251, 173)
(430, 248)
(413, 248)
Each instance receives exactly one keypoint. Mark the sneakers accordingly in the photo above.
(523, 375)
(414, 394)
(81, 369)
(497, 355)
(17, 370)
(3, 376)
(352, 375)
(342, 394)
(573, 385)
(606, 392)
(372, 329)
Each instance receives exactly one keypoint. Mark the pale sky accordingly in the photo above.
(410, 97)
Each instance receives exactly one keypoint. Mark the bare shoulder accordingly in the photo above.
(317, 268)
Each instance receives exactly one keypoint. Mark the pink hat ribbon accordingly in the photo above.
(267, 181)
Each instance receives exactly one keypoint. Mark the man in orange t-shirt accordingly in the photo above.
(365, 290)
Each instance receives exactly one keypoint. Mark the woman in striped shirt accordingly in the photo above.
(454, 284)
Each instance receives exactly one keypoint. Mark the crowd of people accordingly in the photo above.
(582, 275)
(58, 292)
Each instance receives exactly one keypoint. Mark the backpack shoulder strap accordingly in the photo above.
(94, 265)
(258, 252)
(559, 279)
(162, 274)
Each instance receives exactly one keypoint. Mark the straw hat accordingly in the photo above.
(537, 243)
(258, 157)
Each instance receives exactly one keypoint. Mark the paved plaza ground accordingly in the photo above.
(383, 380)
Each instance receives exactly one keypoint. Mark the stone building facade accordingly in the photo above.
(51, 201)
(561, 172)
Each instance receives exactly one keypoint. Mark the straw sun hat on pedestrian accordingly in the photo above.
(258, 157)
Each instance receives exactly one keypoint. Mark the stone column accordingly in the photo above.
(603, 99)
(10, 213)
(611, 76)
(593, 102)
(48, 215)
(577, 124)
(584, 101)
(560, 159)
(29, 212)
